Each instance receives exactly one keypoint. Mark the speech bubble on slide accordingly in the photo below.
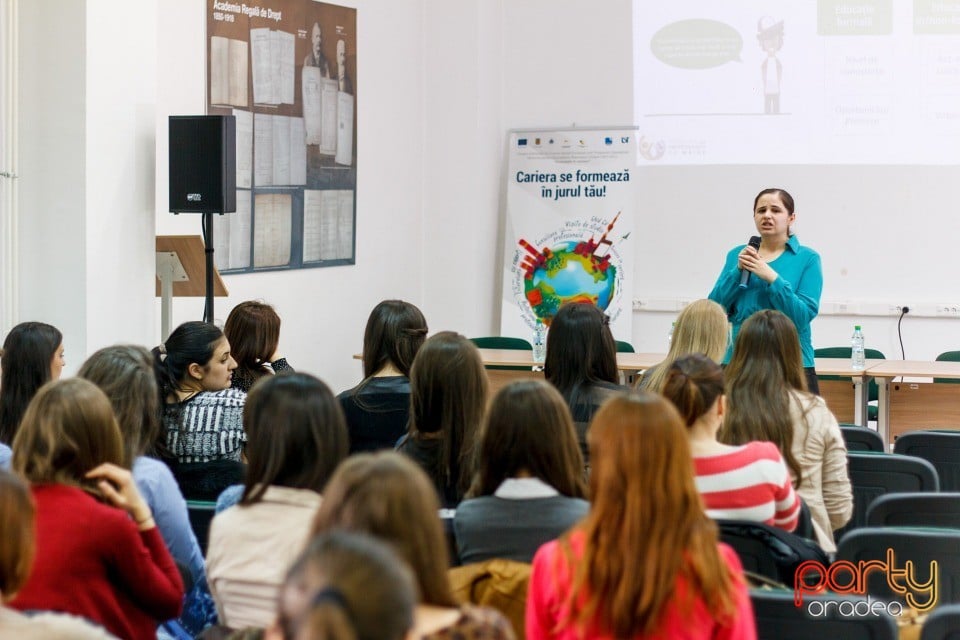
(697, 44)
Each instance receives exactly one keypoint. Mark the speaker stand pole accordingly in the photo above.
(208, 251)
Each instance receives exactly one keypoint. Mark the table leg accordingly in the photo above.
(883, 411)
(860, 401)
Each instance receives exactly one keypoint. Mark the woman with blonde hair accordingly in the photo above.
(387, 496)
(768, 401)
(702, 327)
(90, 517)
(448, 395)
(646, 561)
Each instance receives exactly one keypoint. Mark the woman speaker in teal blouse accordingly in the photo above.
(783, 275)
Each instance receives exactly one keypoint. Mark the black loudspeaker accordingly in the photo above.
(203, 164)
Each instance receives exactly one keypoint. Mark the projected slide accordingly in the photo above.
(811, 82)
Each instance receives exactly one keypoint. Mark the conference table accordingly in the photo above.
(850, 405)
(910, 406)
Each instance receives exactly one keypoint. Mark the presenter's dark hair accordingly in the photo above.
(125, 373)
(529, 428)
(785, 197)
(580, 351)
(395, 332)
(448, 395)
(296, 434)
(24, 367)
(253, 330)
(191, 342)
(693, 384)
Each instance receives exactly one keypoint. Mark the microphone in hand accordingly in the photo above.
(744, 274)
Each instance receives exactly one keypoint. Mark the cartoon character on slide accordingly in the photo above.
(770, 37)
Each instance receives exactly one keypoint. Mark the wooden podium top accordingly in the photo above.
(190, 251)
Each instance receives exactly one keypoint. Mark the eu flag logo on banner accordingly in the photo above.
(522, 142)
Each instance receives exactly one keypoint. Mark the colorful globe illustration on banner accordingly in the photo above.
(569, 271)
(568, 276)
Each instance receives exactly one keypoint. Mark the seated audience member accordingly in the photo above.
(32, 355)
(646, 561)
(295, 439)
(747, 482)
(99, 553)
(529, 486)
(125, 373)
(346, 585)
(702, 327)
(253, 331)
(377, 409)
(448, 393)
(387, 496)
(17, 549)
(201, 415)
(768, 401)
(581, 362)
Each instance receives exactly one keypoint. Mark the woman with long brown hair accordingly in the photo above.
(448, 395)
(529, 486)
(387, 496)
(768, 401)
(253, 331)
(646, 562)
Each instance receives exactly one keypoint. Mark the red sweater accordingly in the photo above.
(552, 576)
(91, 561)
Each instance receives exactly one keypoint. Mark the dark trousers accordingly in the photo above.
(813, 386)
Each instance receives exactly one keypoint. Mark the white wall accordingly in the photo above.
(324, 310)
(439, 85)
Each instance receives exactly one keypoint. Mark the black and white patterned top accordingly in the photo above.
(206, 427)
(243, 379)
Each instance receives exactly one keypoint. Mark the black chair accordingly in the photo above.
(873, 390)
(915, 510)
(805, 523)
(940, 448)
(877, 474)
(942, 624)
(778, 618)
(948, 356)
(920, 547)
(201, 514)
(768, 551)
(861, 438)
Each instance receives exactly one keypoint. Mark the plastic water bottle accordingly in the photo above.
(539, 342)
(670, 334)
(857, 354)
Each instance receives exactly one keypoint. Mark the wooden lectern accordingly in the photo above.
(181, 272)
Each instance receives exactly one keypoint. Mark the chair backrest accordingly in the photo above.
(942, 624)
(201, 513)
(861, 438)
(948, 356)
(915, 510)
(940, 448)
(769, 551)
(805, 523)
(625, 347)
(501, 342)
(876, 474)
(778, 617)
(873, 390)
(918, 546)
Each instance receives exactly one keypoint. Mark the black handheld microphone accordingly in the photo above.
(744, 274)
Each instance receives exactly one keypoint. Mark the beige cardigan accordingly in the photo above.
(251, 548)
(821, 452)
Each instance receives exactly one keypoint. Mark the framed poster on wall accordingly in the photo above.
(287, 70)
